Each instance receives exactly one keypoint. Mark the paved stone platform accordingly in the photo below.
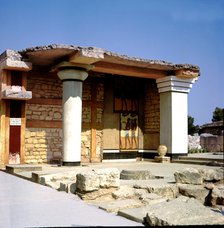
(163, 172)
(22, 168)
(27, 204)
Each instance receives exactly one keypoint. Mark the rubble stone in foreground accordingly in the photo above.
(182, 211)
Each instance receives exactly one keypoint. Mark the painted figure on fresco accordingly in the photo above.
(126, 134)
(133, 133)
(129, 131)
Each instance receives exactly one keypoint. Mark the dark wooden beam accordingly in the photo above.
(133, 71)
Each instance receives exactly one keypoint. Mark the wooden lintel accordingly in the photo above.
(98, 104)
(58, 101)
(96, 126)
(119, 69)
(56, 124)
(43, 124)
(45, 101)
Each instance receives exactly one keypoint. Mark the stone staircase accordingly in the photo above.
(23, 171)
(200, 160)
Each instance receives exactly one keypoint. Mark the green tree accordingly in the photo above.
(217, 114)
(192, 129)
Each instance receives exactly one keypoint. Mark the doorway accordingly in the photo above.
(15, 132)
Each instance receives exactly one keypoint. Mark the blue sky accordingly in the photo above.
(178, 31)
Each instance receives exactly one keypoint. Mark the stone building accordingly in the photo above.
(212, 136)
(86, 104)
(214, 128)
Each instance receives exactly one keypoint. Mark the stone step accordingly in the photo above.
(24, 175)
(115, 205)
(201, 158)
(198, 162)
(134, 214)
(15, 169)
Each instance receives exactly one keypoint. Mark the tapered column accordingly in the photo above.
(72, 114)
(173, 113)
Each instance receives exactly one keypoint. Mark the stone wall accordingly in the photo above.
(151, 115)
(41, 143)
(212, 143)
(44, 85)
(43, 112)
(209, 142)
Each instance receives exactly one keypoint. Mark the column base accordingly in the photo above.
(64, 163)
(163, 159)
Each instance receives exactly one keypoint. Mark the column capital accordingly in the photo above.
(72, 74)
(175, 84)
(72, 71)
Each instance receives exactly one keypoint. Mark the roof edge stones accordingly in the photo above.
(109, 54)
(95, 54)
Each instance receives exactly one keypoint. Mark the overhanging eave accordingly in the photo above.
(127, 70)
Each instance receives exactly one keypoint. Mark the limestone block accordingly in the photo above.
(39, 178)
(68, 186)
(40, 134)
(27, 134)
(42, 140)
(168, 191)
(124, 192)
(136, 175)
(87, 181)
(29, 146)
(163, 159)
(29, 140)
(33, 134)
(182, 211)
(212, 175)
(116, 205)
(148, 200)
(188, 176)
(165, 190)
(54, 185)
(136, 214)
(102, 194)
(217, 196)
(108, 177)
(198, 192)
(140, 193)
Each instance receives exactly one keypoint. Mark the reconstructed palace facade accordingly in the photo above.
(86, 104)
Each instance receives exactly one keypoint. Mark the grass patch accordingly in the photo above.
(196, 150)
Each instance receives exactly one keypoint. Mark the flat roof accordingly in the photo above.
(103, 61)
